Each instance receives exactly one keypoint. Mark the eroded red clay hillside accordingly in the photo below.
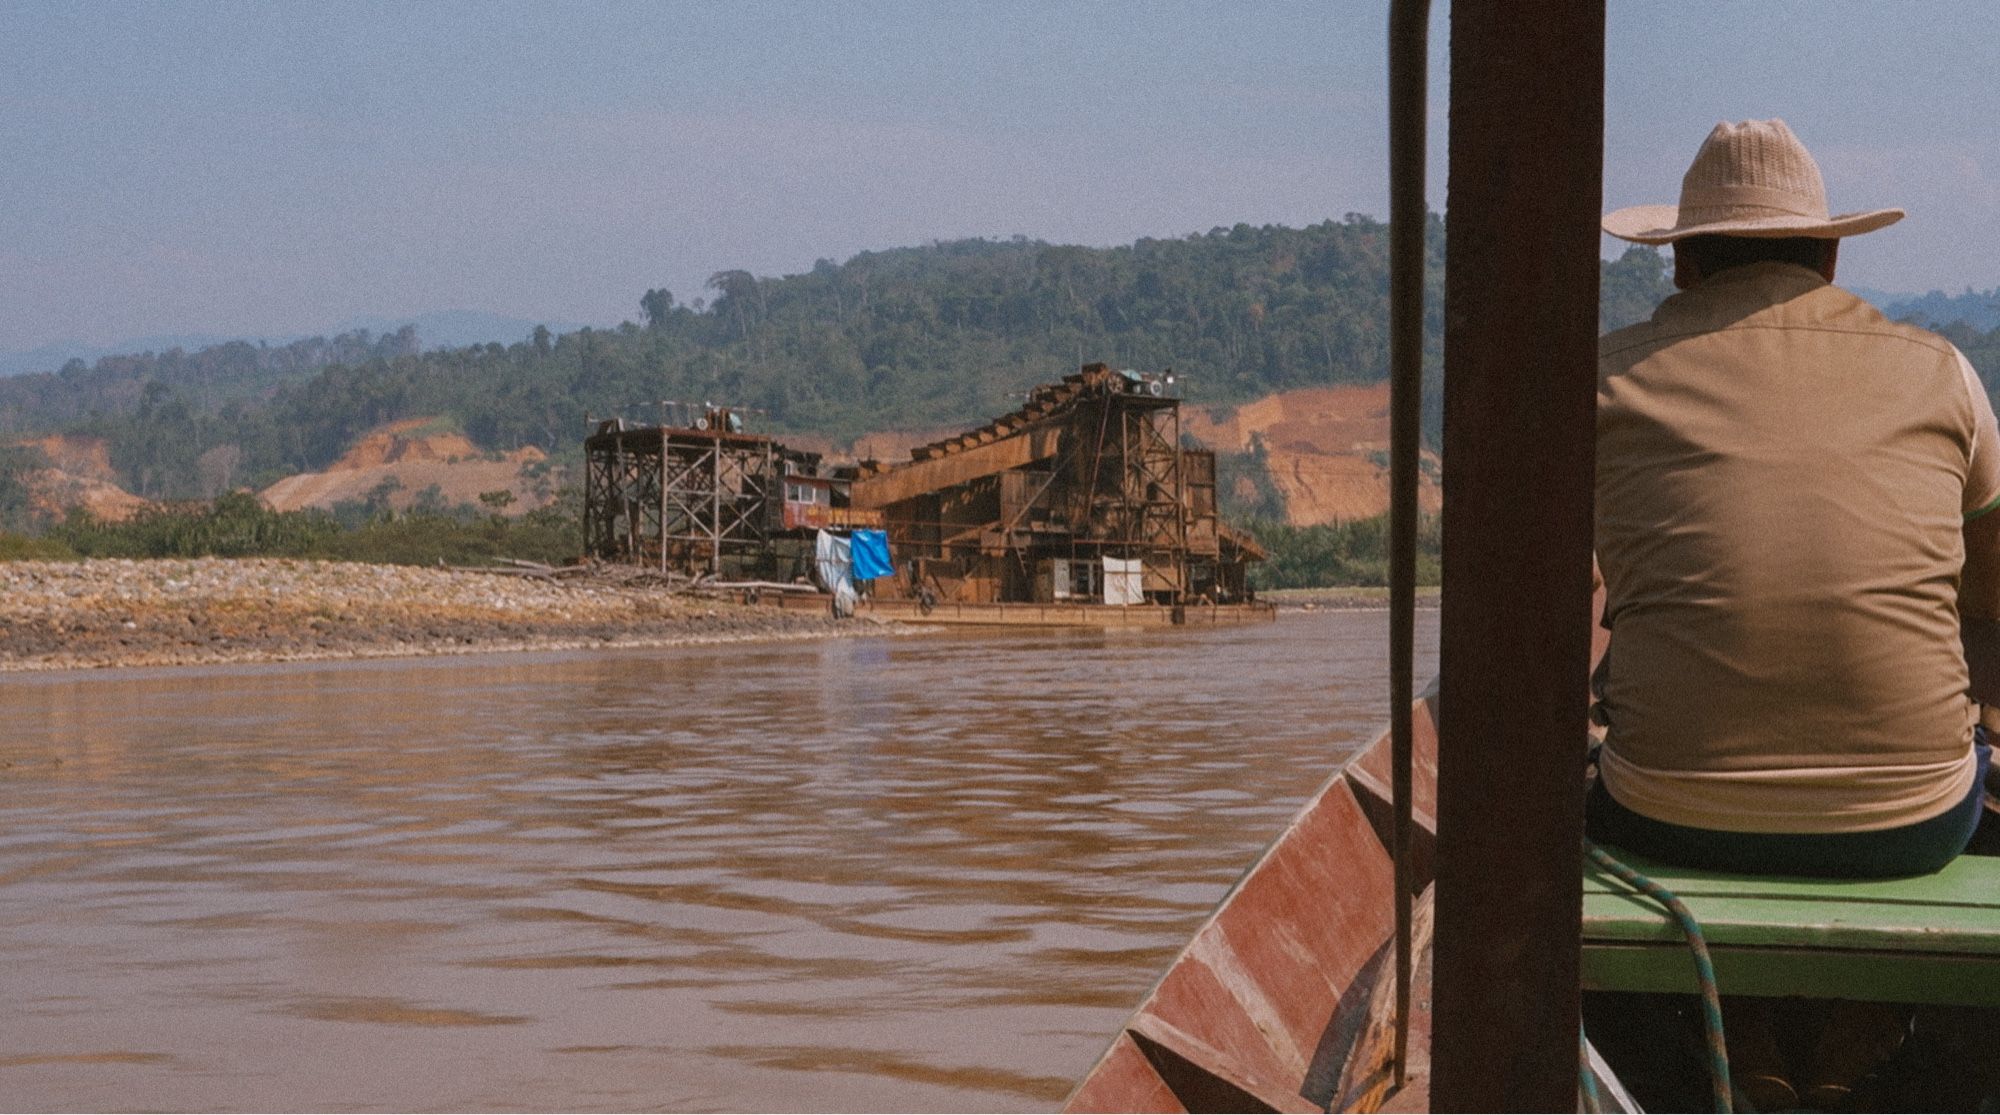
(1326, 448)
(79, 475)
(415, 453)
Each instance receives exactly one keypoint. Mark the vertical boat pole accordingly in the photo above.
(1523, 198)
(1409, 27)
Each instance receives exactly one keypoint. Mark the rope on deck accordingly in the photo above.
(1586, 1080)
(1704, 969)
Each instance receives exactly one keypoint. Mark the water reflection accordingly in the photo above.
(893, 874)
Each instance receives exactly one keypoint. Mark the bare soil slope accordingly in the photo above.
(416, 454)
(1326, 449)
(80, 475)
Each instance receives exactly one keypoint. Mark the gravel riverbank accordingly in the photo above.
(71, 615)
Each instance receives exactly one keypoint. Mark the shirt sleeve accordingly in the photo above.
(1982, 475)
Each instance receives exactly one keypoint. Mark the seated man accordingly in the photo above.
(1793, 499)
(1795, 531)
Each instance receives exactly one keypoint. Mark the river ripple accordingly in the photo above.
(920, 873)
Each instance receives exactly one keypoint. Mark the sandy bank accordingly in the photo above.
(71, 615)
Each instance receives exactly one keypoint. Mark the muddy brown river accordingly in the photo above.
(915, 873)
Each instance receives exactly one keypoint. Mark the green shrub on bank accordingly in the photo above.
(238, 525)
(429, 537)
(22, 547)
(1337, 555)
(235, 525)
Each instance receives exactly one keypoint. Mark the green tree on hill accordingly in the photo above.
(944, 334)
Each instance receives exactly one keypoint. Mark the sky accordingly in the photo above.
(269, 169)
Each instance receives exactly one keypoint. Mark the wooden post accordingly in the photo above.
(1524, 195)
(590, 495)
(715, 500)
(663, 500)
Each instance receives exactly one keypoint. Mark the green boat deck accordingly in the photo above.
(1927, 939)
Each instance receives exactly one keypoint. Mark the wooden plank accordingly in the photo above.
(1280, 1001)
(1368, 1077)
(1371, 767)
(1956, 910)
(1261, 981)
(1205, 1078)
(1861, 974)
(1967, 880)
(1124, 1080)
(1929, 939)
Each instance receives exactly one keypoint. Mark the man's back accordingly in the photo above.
(1782, 479)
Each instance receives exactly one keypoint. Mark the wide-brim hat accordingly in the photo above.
(1748, 179)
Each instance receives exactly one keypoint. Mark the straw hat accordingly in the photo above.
(1748, 179)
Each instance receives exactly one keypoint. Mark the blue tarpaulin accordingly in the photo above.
(871, 555)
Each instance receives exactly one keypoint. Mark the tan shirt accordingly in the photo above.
(1783, 477)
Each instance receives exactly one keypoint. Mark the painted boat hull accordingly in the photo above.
(1284, 999)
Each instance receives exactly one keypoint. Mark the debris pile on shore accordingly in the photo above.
(67, 615)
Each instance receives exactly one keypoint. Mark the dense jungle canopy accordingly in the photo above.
(939, 335)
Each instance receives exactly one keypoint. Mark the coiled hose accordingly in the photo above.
(1704, 971)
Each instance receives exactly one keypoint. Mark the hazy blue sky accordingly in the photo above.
(271, 168)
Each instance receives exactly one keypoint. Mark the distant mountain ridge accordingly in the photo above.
(439, 329)
(459, 328)
(1979, 309)
(935, 336)
(1277, 333)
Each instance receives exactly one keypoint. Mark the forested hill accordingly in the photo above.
(210, 377)
(915, 337)
(1978, 310)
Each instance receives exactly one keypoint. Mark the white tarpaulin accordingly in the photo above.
(1124, 581)
(832, 559)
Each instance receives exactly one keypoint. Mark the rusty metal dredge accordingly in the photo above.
(1083, 495)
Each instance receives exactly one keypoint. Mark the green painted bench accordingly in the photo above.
(1930, 939)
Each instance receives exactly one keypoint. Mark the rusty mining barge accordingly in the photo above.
(1082, 508)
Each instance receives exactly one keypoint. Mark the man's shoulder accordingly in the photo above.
(1864, 315)
(1721, 308)
(1705, 309)
(1624, 346)
(1631, 336)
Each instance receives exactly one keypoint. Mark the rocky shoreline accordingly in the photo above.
(103, 613)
